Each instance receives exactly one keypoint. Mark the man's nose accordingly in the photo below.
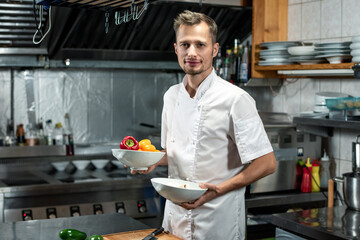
(192, 50)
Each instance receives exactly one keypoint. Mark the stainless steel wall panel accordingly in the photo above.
(4, 98)
(99, 106)
(123, 104)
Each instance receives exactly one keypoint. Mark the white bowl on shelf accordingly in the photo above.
(60, 166)
(99, 163)
(81, 164)
(177, 190)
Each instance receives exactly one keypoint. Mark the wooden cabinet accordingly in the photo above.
(269, 24)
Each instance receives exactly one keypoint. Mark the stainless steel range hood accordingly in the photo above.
(78, 33)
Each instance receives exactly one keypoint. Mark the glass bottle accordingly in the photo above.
(2, 138)
(40, 132)
(20, 135)
(59, 134)
(68, 136)
(49, 133)
(218, 63)
(236, 61)
(244, 68)
(10, 139)
(31, 137)
(227, 65)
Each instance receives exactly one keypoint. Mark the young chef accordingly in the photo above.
(211, 131)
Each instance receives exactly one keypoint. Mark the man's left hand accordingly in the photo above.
(210, 194)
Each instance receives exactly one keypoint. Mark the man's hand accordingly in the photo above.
(144, 171)
(211, 193)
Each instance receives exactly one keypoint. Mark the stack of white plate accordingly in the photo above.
(320, 100)
(276, 53)
(304, 55)
(355, 49)
(335, 52)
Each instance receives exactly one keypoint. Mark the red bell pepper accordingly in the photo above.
(129, 143)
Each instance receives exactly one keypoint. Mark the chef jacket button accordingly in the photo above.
(187, 179)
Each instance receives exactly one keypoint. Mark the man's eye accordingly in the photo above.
(185, 45)
(201, 45)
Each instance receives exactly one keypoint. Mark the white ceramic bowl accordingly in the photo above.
(176, 190)
(81, 164)
(137, 160)
(99, 163)
(337, 59)
(302, 50)
(60, 166)
(320, 97)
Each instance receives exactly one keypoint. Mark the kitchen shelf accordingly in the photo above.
(324, 126)
(325, 122)
(305, 67)
(313, 70)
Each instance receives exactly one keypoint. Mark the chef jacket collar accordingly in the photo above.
(204, 85)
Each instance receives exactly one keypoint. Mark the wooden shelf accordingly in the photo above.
(304, 67)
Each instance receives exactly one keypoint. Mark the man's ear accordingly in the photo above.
(175, 47)
(215, 49)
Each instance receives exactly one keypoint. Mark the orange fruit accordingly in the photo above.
(149, 148)
(144, 142)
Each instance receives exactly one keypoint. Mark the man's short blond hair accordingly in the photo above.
(192, 18)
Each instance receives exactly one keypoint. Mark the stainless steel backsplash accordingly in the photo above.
(104, 105)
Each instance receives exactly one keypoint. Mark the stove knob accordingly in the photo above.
(120, 207)
(75, 214)
(51, 213)
(121, 210)
(142, 206)
(27, 218)
(97, 209)
(75, 211)
(27, 215)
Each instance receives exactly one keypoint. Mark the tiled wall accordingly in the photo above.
(322, 21)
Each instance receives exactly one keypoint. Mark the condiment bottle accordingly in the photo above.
(59, 134)
(324, 171)
(68, 136)
(31, 136)
(315, 180)
(306, 179)
(49, 133)
(20, 135)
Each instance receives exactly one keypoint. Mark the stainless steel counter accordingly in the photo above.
(49, 229)
(321, 223)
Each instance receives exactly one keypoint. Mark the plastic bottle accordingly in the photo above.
(49, 133)
(59, 134)
(218, 64)
(324, 171)
(315, 180)
(244, 68)
(306, 179)
(68, 136)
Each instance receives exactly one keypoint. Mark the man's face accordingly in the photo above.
(194, 49)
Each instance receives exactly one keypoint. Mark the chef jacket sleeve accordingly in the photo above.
(250, 136)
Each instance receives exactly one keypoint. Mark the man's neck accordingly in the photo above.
(194, 82)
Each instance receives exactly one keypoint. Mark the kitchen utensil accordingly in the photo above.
(152, 235)
(356, 156)
(351, 223)
(351, 189)
(137, 160)
(139, 234)
(177, 190)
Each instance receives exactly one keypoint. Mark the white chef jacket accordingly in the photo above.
(210, 138)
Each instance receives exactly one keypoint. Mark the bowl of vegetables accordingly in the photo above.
(177, 190)
(137, 155)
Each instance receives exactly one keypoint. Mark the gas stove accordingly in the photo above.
(30, 193)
